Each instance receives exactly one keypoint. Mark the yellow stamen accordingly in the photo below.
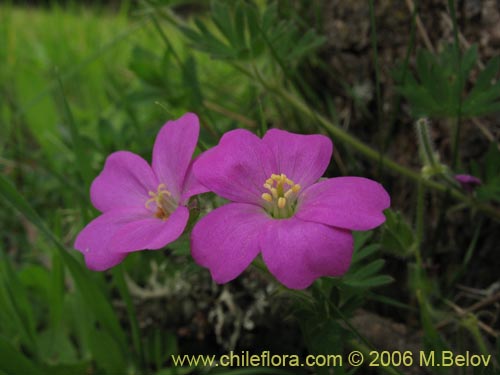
(164, 204)
(281, 194)
(267, 197)
(281, 202)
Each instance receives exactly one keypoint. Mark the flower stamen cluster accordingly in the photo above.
(165, 205)
(282, 196)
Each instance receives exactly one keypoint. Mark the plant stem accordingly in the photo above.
(374, 155)
(344, 136)
(375, 61)
(420, 222)
(460, 85)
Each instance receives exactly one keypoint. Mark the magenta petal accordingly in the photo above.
(124, 182)
(94, 240)
(191, 184)
(237, 167)
(298, 252)
(354, 203)
(468, 182)
(227, 239)
(150, 233)
(173, 151)
(303, 158)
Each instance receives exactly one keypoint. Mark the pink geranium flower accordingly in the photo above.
(142, 207)
(301, 226)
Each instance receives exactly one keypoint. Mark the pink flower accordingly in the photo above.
(468, 182)
(142, 207)
(301, 226)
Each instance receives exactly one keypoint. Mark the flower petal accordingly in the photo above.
(346, 202)
(237, 167)
(303, 158)
(94, 240)
(191, 184)
(298, 252)
(124, 182)
(149, 233)
(227, 239)
(173, 151)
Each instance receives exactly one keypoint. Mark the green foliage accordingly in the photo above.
(244, 31)
(366, 276)
(397, 237)
(440, 82)
(489, 190)
(79, 84)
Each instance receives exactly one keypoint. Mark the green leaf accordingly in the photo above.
(12, 361)
(56, 347)
(16, 305)
(365, 271)
(397, 236)
(468, 60)
(92, 294)
(485, 78)
(441, 81)
(107, 353)
(371, 282)
(432, 337)
(224, 21)
(79, 148)
(365, 252)
(190, 79)
(143, 64)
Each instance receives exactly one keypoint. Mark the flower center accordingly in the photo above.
(161, 202)
(281, 199)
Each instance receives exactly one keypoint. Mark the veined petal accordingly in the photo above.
(124, 182)
(237, 167)
(227, 239)
(173, 151)
(191, 184)
(298, 252)
(303, 158)
(354, 203)
(94, 240)
(149, 233)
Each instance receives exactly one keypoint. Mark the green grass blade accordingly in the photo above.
(19, 319)
(93, 296)
(118, 275)
(82, 161)
(12, 361)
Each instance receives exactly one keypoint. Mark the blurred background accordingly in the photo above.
(82, 79)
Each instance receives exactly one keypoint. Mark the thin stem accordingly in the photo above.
(420, 222)
(372, 154)
(456, 133)
(375, 60)
(424, 139)
(342, 135)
